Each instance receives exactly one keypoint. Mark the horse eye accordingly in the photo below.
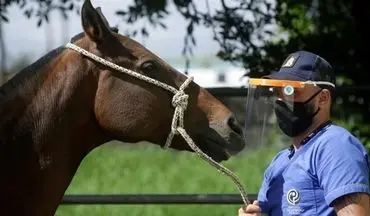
(147, 66)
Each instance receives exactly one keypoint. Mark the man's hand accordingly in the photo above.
(250, 210)
(352, 204)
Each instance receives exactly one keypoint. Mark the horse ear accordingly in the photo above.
(98, 9)
(114, 29)
(94, 23)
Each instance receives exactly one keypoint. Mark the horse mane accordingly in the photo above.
(29, 71)
(77, 37)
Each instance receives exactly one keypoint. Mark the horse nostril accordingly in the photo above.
(234, 125)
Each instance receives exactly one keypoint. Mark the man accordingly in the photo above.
(325, 171)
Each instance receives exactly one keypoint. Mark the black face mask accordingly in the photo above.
(295, 122)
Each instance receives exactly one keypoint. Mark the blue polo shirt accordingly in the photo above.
(330, 164)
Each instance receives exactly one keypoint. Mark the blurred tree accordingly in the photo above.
(336, 30)
(236, 26)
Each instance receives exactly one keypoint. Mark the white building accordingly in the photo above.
(214, 73)
(230, 77)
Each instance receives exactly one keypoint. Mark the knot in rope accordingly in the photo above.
(180, 102)
(180, 99)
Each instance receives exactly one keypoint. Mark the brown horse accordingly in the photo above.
(54, 112)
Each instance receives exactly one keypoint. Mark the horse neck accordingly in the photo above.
(47, 126)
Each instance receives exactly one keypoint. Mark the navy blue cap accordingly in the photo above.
(304, 66)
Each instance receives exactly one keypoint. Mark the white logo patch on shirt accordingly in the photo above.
(293, 197)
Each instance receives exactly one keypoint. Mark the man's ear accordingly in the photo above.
(324, 97)
(95, 25)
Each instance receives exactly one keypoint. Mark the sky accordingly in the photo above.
(23, 37)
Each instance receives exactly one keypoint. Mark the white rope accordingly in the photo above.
(180, 103)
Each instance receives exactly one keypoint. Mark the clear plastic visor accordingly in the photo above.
(266, 98)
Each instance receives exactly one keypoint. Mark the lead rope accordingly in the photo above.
(180, 103)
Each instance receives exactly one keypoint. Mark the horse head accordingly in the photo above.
(132, 110)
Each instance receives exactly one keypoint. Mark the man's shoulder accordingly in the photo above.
(338, 139)
(277, 163)
(335, 130)
(340, 162)
(281, 155)
(338, 135)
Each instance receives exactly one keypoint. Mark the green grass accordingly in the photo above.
(114, 169)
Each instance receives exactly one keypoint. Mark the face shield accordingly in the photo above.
(273, 115)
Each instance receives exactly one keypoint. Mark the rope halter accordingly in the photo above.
(180, 103)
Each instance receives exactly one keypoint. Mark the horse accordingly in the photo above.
(58, 109)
